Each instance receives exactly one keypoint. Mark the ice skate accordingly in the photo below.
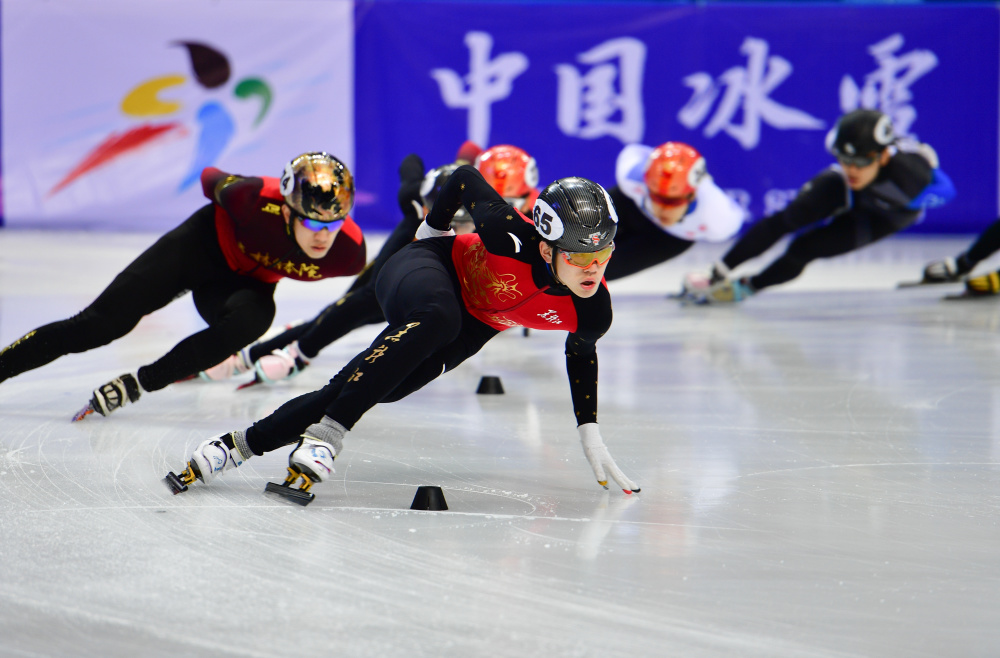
(278, 365)
(236, 364)
(939, 271)
(208, 460)
(312, 461)
(987, 285)
(112, 396)
(697, 284)
(692, 285)
(726, 292)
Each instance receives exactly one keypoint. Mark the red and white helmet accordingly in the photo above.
(673, 173)
(509, 170)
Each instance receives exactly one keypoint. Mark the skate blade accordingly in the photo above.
(294, 495)
(83, 413)
(253, 382)
(174, 483)
(967, 295)
(917, 284)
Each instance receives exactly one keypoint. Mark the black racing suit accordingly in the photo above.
(892, 202)
(444, 298)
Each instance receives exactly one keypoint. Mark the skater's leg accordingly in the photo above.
(425, 314)
(237, 315)
(149, 283)
(843, 234)
(638, 252)
(819, 198)
(985, 246)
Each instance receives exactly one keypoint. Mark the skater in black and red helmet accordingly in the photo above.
(444, 297)
(229, 254)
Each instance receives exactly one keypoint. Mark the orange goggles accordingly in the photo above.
(671, 201)
(586, 259)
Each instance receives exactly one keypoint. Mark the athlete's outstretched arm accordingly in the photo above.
(581, 366)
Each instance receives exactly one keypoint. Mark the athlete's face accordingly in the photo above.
(581, 281)
(315, 244)
(668, 215)
(861, 176)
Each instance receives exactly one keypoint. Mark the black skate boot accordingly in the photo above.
(112, 396)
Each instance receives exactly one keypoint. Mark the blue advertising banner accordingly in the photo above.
(754, 88)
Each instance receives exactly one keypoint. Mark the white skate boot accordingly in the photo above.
(234, 365)
(280, 364)
(312, 460)
(213, 457)
(208, 460)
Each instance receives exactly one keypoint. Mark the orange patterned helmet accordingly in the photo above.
(318, 186)
(673, 173)
(509, 170)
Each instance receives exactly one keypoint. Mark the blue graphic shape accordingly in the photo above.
(217, 129)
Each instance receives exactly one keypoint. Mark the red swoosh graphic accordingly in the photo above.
(115, 145)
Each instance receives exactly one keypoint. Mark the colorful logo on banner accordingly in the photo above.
(215, 125)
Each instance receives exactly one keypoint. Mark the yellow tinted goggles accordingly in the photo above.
(586, 259)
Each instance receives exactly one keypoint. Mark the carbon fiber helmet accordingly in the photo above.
(575, 215)
(434, 182)
(858, 134)
(318, 186)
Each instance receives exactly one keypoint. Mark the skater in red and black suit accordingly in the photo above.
(444, 297)
(291, 351)
(229, 254)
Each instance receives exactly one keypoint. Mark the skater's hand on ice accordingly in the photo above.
(600, 459)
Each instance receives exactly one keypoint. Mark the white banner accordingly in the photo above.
(111, 108)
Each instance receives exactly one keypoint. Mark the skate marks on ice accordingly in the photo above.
(818, 473)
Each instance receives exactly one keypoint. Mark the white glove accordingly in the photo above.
(425, 230)
(600, 459)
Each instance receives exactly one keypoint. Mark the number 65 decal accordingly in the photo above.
(546, 221)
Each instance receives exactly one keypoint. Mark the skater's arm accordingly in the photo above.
(593, 321)
(466, 187)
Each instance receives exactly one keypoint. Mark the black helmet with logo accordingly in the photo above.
(858, 135)
(575, 215)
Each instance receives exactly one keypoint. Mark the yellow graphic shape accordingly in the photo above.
(144, 100)
(484, 286)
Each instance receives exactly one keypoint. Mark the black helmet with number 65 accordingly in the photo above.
(575, 215)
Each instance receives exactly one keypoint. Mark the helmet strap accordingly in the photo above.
(551, 266)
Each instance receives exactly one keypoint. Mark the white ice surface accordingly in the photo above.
(819, 471)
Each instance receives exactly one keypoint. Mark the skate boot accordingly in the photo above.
(987, 285)
(208, 460)
(234, 365)
(727, 292)
(278, 365)
(942, 271)
(696, 284)
(112, 396)
(312, 460)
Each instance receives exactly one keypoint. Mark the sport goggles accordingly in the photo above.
(316, 226)
(671, 201)
(585, 259)
(855, 160)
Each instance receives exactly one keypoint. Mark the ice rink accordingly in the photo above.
(820, 473)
